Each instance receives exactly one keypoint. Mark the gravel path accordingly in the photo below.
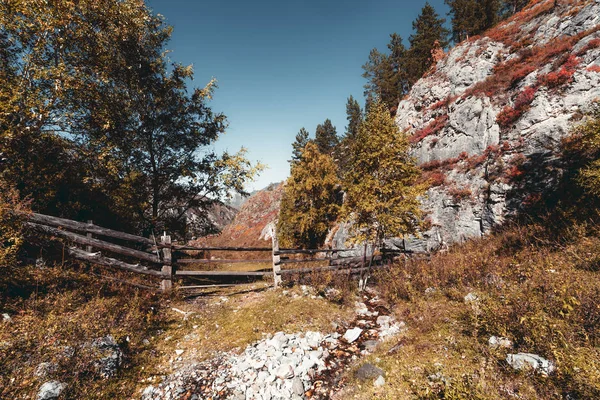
(306, 365)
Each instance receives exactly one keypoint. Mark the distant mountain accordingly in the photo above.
(252, 223)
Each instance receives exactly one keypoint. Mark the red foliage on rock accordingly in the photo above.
(432, 128)
(510, 114)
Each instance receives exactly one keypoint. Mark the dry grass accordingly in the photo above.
(54, 309)
(537, 286)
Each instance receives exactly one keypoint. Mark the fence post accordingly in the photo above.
(276, 259)
(89, 249)
(168, 270)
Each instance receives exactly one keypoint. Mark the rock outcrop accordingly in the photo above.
(494, 110)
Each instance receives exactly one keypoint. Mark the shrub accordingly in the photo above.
(592, 44)
(561, 77)
(594, 68)
(510, 114)
(12, 212)
(431, 129)
(437, 178)
(459, 194)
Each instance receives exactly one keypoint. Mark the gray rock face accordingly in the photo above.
(50, 390)
(487, 199)
(523, 361)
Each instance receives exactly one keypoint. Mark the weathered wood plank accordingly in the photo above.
(99, 244)
(223, 273)
(211, 286)
(193, 248)
(217, 261)
(87, 228)
(310, 251)
(292, 261)
(332, 268)
(96, 258)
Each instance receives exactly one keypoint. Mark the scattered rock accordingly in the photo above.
(522, 361)
(471, 297)
(379, 382)
(50, 390)
(368, 371)
(352, 334)
(495, 342)
(179, 352)
(111, 356)
(6, 317)
(298, 387)
(44, 369)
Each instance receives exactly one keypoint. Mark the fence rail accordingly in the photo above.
(170, 261)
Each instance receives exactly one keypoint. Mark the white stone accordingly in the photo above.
(352, 334)
(50, 390)
(379, 382)
(528, 360)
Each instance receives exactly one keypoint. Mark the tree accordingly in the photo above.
(299, 145)
(354, 116)
(588, 145)
(310, 202)
(386, 74)
(510, 7)
(326, 137)
(111, 121)
(472, 17)
(429, 32)
(381, 189)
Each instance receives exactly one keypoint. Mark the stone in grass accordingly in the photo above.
(379, 382)
(495, 342)
(527, 360)
(471, 297)
(368, 371)
(50, 390)
(352, 334)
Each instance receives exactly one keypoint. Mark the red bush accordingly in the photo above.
(594, 68)
(437, 178)
(459, 194)
(509, 114)
(434, 127)
(561, 77)
(592, 44)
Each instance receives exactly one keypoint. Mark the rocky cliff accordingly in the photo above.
(495, 109)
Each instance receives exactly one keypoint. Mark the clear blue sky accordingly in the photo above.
(282, 65)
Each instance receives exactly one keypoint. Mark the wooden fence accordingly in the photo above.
(170, 261)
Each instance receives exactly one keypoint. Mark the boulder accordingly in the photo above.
(368, 371)
(50, 390)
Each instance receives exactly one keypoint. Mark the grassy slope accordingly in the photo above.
(62, 306)
(542, 293)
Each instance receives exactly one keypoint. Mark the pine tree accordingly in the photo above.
(472, 17)
(311, 200)
(429, 32)
(510, 7)
(354, 116)
(381, 192)
(386, 74)
(299, 145)
(326, 137)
